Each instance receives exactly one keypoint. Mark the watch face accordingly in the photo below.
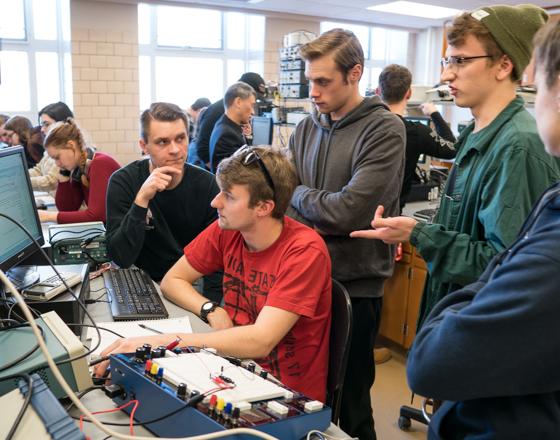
(208, 306)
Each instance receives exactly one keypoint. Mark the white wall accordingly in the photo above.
(427, 56)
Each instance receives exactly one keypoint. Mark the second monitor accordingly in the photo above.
(262, 130)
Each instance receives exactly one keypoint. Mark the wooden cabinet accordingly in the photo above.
(401, 299)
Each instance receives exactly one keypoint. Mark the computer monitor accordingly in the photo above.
(424, 120)
(17, 201)
(262, 130)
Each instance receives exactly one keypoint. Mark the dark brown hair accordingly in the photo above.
(21, 126)
(394, 82)
(547, 52)
(233, 171)
(161, 111)
(344, 46)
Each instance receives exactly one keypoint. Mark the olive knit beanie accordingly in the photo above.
(513, 28)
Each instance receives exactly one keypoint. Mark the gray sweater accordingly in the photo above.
(346, 168)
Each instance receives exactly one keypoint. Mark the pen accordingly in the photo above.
(98, 360)
(145, 327)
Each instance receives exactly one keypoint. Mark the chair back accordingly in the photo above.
(339, 346)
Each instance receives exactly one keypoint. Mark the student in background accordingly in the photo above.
(19, 132)
(215, 111)
(277, 284)
(227, 135)
(490, 349)
(84, 176)
(193, 113)
(3, 133)
(158, 204)
(395, 90)
(44, 175)
(501, 167)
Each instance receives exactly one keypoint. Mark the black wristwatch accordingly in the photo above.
(207, 307)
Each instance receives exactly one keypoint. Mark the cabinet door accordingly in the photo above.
(416, 287)
(393, 314)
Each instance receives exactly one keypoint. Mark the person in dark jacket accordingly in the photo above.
(395, 90)
(490, 350)
(349, 157)
(500, 168)
(213, 112)
(159, 204)
(227, 136)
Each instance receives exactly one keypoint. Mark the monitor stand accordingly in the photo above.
(23, 276)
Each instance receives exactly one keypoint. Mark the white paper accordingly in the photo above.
(132, 328)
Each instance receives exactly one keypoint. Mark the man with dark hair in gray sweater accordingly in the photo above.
(349, 156)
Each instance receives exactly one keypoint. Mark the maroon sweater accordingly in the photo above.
(70, 195)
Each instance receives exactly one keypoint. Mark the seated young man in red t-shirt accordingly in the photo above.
(277, 277)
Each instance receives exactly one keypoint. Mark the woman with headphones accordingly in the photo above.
(84, 176)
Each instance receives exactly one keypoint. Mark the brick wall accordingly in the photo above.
(105, 76)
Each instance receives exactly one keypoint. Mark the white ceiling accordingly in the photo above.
(355, 10)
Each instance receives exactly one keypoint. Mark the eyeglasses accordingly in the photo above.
(453, 61)
(252, 156)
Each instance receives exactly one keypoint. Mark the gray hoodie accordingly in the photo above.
(346, 168)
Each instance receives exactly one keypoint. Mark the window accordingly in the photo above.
(382, 46)
(187, 53)
(35, 63)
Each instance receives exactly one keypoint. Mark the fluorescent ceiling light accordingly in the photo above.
(415, 9)
(254, 1)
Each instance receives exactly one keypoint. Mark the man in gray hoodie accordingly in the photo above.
(349, 156)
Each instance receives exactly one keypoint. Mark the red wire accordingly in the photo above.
(115, 410)
(132, 416)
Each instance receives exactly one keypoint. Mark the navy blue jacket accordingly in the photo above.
(491, 350)
(227, 137)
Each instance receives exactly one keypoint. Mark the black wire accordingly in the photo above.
(95, 326)
(95, 260)
(188, 403)
(26, 354)
(102, 295)
(97, 290)
(88, 231)
(82, 394)
(21, 318)
(26, 402)
(79, 301)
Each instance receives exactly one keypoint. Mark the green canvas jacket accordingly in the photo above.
(500, 172)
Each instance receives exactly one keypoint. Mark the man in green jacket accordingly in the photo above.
(501, 167)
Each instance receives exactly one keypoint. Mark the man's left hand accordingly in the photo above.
(391, 230)
(129, 345)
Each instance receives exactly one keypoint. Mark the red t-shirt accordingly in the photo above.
(70, 195)
(293, 274)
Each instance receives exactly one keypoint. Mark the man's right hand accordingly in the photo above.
(219, 319)
(158, 180)
(428, 108)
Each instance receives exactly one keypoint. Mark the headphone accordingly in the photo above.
(78, 175)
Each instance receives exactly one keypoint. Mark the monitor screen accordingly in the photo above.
(424, 120)
(262, 130)
(16, 201)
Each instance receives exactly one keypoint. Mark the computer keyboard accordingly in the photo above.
(133, 295)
